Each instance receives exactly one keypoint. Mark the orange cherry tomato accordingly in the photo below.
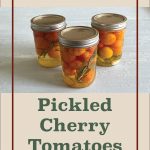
(102, 33)
(89, 76)
(77, 51)
(67, 70)
(92, 49)
(120, 34)
(100, 45)
(80, 58)
(117, 44)
(47, 36)
(108, 39)
(117, 51)
(86, 56)
(88, 53)
(38, 33)
(54, 52)
(76, 64)
(67, 57)
(41, 43)
(54, 36)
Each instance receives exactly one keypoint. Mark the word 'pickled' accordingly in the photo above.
(72, 105)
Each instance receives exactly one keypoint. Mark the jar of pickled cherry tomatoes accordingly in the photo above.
(78, 55)
(45, 29)
(111, 28)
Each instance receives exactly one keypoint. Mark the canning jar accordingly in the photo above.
(45, 29)
(111, 28)
(78, 55)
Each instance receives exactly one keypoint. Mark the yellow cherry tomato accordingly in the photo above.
(77, 51)
(105, 52)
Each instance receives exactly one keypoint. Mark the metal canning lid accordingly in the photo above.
(48, 22)
(78, 36)
(109, 21)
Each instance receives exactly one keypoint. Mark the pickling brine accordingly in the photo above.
(110, 48)
(45, 29)
(111, 28)
(78, 55)
(79, 65)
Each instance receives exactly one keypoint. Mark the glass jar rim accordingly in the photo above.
(109, 21)
(51, 22)
(78, 36)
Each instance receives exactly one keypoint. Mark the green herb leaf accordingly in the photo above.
(45, 51)
(86, 68)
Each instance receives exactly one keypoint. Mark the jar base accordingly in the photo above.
(48, 62)
(108, 63)
(74, 84)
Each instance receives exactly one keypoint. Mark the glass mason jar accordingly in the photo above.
(111, 28)
(78, 55)
(45, 29)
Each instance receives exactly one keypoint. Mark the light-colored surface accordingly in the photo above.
(26, 106)
(28, 118)
(30, 77)
(77, 3)
(144, 122)
(5, 121)
(144, 51)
